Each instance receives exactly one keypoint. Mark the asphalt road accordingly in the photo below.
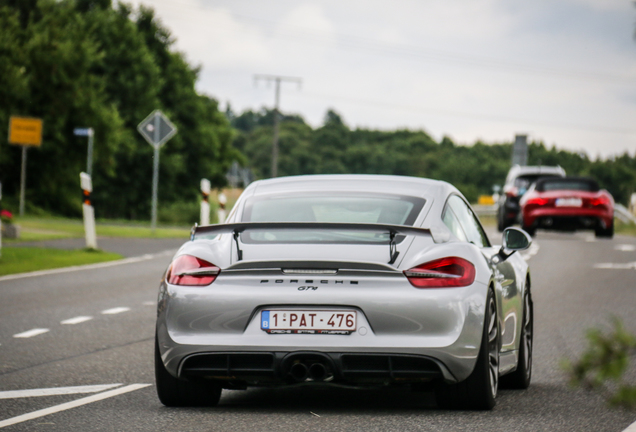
(115, 347)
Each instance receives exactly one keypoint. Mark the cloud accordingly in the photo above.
(212, 36)
(467, 68)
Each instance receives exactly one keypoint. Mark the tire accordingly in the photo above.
(479, 390)
(175, 392)
(500, 224)
(530, 230)
(520, 378)
(605, 232)
(503, 223)
(500, 221)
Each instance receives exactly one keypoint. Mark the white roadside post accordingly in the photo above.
(89, 212)
(205, 204)
(0, 220)
(221, 213)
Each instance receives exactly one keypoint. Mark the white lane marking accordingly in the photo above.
(532, 251)
(625, 248)
(88, 266)
(69, 405)
(631, 428)
(116, 310)
(76, 320)
(590, 239)
(14, 394)
(149, 303)
(31, 333)
(616, 266)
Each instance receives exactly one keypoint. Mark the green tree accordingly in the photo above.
(86, 63)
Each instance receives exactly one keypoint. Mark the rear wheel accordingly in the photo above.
(530, 230)
(605, 232)
(479, 390)
(175, 392)
(502, 222)
(520, 378)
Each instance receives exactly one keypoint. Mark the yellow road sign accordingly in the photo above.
(25, 131)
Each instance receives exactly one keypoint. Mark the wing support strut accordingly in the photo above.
(239, 252)
(393, 253)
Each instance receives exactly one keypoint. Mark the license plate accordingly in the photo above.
(341, 322)
(568, 202)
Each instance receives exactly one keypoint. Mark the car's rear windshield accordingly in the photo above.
(329, 207)
(553, 184)
(525, 181)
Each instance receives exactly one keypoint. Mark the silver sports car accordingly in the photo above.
(350, 280)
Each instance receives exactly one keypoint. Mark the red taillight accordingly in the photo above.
(538, 201)
(442, 273)
(190, 270)
(600, 201)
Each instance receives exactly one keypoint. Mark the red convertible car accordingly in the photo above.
(568, 204)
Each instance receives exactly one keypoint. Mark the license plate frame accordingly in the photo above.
(308, 321)
(568, 202)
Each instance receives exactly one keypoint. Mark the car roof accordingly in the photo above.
(537, 169)
(518, 170)
(388, 184)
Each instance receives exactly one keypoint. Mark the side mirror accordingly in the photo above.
(515, 239)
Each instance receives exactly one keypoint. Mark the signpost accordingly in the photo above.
(157, 130)
(520, 150)
(89, 158)
(0, 220)
(24, 131)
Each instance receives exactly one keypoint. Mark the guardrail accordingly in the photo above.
(621, 212)
(485, 210)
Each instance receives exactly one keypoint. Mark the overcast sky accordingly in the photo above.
(561, 71)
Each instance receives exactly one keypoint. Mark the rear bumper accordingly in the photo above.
(283, 368)
(395, 321)
(567, 219)
(510, 208)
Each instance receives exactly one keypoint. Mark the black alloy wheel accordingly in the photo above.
(520, 378)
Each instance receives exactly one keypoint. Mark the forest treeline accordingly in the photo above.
(107, 65)
(93, 63)
(334, 148)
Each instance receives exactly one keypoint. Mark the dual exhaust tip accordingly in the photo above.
(316, 372)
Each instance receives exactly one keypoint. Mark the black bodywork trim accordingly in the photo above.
(273, 367)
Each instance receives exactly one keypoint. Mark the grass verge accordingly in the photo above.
(624, 228)
(26, 259)
(51, 228)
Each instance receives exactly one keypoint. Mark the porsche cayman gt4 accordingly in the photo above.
(346, 280)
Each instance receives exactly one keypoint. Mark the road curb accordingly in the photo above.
(130, 260)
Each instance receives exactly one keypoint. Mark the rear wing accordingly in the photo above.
(237, 228)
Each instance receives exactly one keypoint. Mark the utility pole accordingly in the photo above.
(277, 80)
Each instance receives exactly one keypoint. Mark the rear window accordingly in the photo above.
(319, 207)
(587, 185)
(526, 180)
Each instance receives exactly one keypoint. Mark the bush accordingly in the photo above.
(604, 364)
(183, 213)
